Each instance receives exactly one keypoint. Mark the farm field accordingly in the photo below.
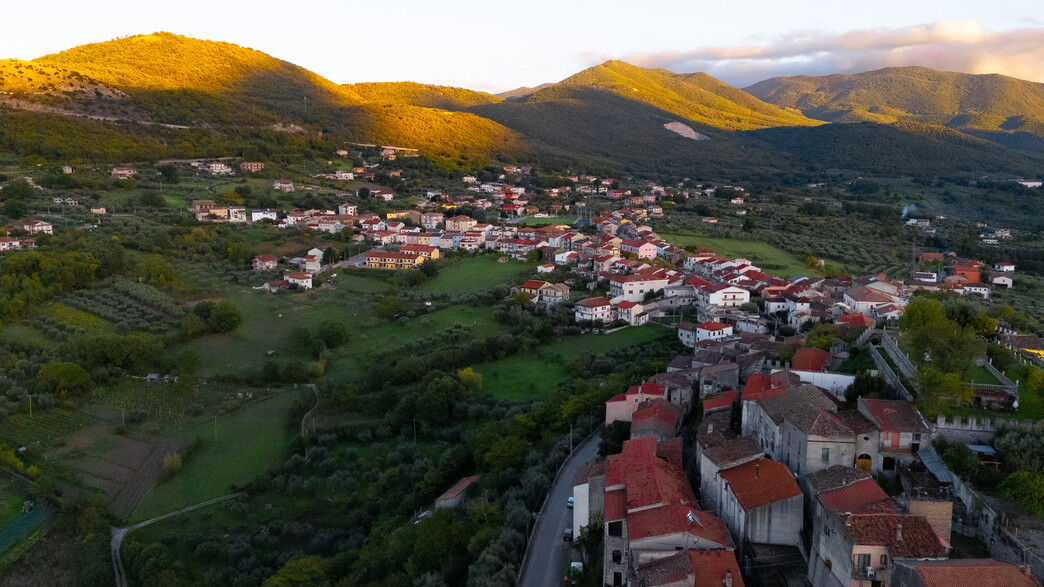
(252, 439)
(776, 261)
(530, 376)
(476, 274)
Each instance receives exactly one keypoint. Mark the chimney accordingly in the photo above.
(757, 470)
(710, 428)
(898, 532)
(727, 581)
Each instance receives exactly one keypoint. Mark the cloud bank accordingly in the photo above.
(950, 45)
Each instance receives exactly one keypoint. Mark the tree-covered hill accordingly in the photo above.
(913, 94)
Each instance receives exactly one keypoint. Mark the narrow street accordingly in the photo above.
(547, 561)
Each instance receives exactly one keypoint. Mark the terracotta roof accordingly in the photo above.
(459, 487)
(760, 386)
(656, 414)
(894, 415)
(298, 275)
(713, 326)
(675, 518)
(861, 293)
(710, 568)
(721, 402)
(761, 482)
(593, 302)
(533, 284)
(810, 359)
(974, 572)
(906, 536)
(853, 497)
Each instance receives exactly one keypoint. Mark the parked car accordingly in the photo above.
(567, 535)
(569, 503)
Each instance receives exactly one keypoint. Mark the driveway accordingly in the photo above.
(546, 564)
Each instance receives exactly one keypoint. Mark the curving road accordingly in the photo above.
(549, 555)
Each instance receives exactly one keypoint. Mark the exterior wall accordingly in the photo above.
(835, 383)
(803, 454)
(614, 543)
(756, 423)
(777, 523)
(581, 507)
(831, 543)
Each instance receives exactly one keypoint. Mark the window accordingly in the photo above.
(616, 528)
(617, 578)
(862, 561)
(617, 556)
(826, 455)
(884, 560)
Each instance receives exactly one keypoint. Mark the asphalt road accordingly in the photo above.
(549, 558)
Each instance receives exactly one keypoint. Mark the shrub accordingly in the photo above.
(171, 464)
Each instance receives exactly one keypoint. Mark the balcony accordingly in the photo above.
(880, 573)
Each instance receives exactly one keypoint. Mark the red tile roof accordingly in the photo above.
(894, 415)
(760, 386)
(593, 302)
(710, 568)
(906, 536)
(677, 518)
(810, 359)
(713, 326)
(721, 402)
(761, 482)
(973, 573)
(658, 412)
(458, 488)
(854, 497)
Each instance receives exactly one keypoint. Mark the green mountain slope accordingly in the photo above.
(414, 94)
(913, 94)
(695, 97)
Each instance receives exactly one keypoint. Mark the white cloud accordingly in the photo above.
(950, 45)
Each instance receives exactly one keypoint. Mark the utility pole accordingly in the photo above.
(215, 427)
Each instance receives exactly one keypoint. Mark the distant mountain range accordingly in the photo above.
(611, 115)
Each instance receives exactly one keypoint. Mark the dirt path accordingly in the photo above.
(118, 534)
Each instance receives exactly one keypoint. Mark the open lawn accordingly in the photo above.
(249, 440)
(771, 259)
(476, 274)
(546, 221)
(529, 376)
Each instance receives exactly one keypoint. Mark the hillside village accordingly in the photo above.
(748, 459)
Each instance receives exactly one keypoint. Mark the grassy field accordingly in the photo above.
(530, 376)
(22, 334)
(11, 499)
(772, 260)
(476, 274)
(250, 440)
(547, 221)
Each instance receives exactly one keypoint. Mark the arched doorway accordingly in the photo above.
(864, 462)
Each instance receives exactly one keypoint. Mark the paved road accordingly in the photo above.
(118, 534)
(547, 562)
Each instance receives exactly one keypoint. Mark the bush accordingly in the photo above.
(171, 464)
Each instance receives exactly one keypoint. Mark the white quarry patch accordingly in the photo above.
(685, 131)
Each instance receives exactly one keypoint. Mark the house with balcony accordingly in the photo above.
(862, 549)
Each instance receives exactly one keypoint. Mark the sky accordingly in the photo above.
(495, 46)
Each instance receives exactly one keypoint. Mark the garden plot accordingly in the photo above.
(124, 468)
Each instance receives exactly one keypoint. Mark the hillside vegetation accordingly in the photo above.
(696, 97)
(913, 94)
(428, 96)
